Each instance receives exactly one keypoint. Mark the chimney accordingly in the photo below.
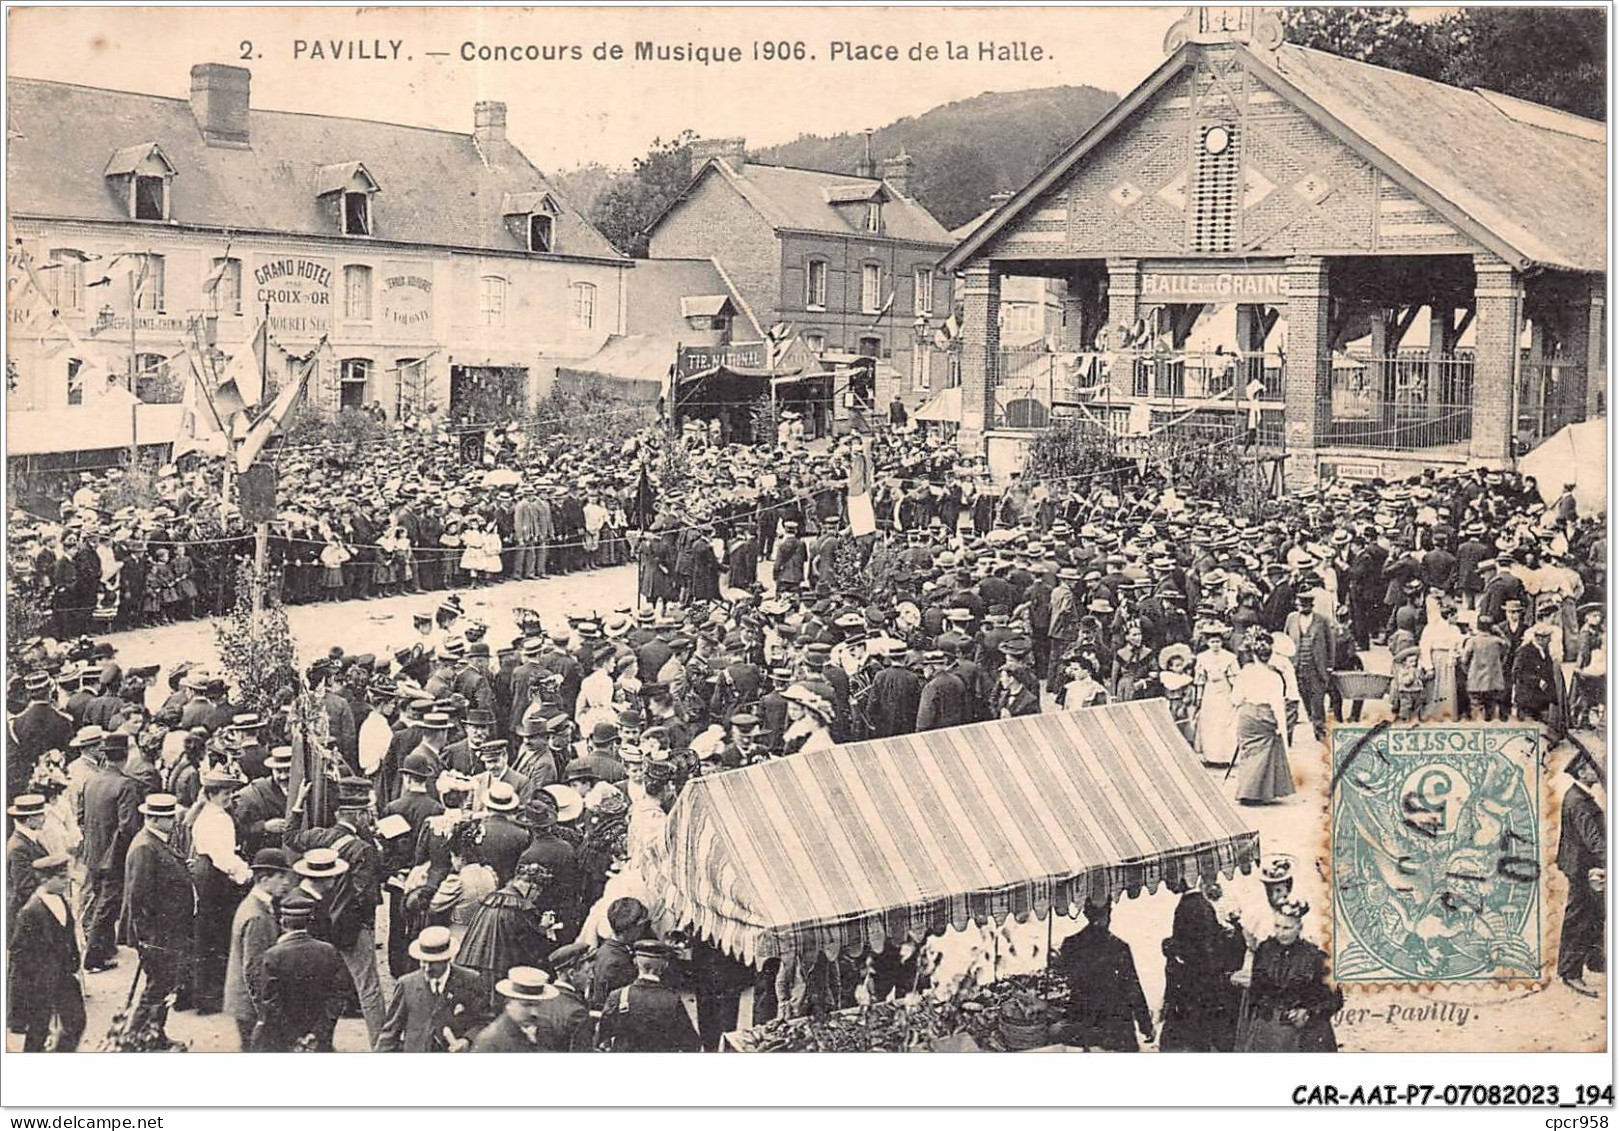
(732, 150)
(219, 102)
(897, 172)
(488, 123)
(866, 167)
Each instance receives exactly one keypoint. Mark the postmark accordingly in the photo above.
(1436, 854)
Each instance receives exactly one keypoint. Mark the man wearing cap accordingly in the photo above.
(1106, 1006)
(462, 756)
(415, 806)
(1537, 680)
(547, 848)
(648, 1016)
(253, 931)
(35, 729)
(351, 904)
(437, 1008)
(525, 676)
(493, 754)
(557, 660)
(612, 963)
(562, 1022)
(304, 983)
(159, 905)
(217, 871)
(944, 699)
(43, 962)
(1582, 856)
(895, 695)
(1500, 586)
(109, 818)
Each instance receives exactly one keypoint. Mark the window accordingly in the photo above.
(584, 306)
(815, 284)
(75, 381)
(492, 300)
(412, 388)
(356, 214)
(871, 288)
(152, 378)
(815, 343)
(871, 347)
(541, 231)
(357, 292)
(924, 290)
(151, 198)
(874, 215)
(355, 383)
(227, 286)
(149, 284)
(64, 282)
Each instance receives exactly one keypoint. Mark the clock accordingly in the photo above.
(1216, 140)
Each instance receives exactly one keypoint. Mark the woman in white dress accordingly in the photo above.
(1439, 649)
(1215, 674)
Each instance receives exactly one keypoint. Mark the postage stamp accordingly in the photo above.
(1436, 854)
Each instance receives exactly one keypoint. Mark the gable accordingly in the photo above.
(1218, 163)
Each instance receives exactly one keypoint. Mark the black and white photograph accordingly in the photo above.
(745, 530)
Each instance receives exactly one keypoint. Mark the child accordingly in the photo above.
(1484, 655)
(1408, 688)
(332, 558)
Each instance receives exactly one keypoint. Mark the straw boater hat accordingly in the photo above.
(434, 944)
(525, 983)
(320, 864)
(502, 798)
(27, 805)
(160, 805)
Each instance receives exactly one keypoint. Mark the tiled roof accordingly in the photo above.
(1534, 177)
(437, 187)
(659, 287)
(797, 199)
(1527, 180)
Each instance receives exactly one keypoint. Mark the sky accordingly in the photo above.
(570, 111)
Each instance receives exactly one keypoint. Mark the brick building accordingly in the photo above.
(432, 262)
(1392, 272)
(850, 262)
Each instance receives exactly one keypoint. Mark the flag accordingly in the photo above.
(260, 433)
(199, 425)
(887, 304)
(246, 367)
(862, 519)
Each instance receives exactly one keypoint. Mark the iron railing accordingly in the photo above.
(1404, 402)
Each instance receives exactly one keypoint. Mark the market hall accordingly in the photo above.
(1371, 270)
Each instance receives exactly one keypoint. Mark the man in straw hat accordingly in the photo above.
(354, 893)
(23, 847)
(1582, 853)
(158, 904)
(44, 962)
(517, 1027)
(438, 1007)
(217, 871)
(253, 931)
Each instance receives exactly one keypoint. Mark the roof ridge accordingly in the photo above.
(251, 109)
(807, 169)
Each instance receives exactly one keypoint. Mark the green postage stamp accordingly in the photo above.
(1436, 854)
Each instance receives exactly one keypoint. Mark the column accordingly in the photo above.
(1584, 347)
(1307, 372)
(1498, 297)
(980, 351)
(1123, 308)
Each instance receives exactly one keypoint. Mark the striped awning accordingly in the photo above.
(850, 848)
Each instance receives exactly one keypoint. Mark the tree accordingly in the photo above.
(956, 185)
(257, 653)
(626, 208)
(1554, 56)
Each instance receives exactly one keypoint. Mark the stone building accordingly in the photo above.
(437, 266)
(1389, 272)
(850, 262)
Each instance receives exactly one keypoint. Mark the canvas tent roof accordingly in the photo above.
(848, 848)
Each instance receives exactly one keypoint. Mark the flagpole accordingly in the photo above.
(134, 409)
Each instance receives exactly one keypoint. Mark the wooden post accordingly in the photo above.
(261, 554)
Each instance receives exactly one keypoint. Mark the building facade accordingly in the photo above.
(1383, 271)
(429, 266)
(849, 262)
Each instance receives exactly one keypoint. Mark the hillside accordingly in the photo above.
(966, 150)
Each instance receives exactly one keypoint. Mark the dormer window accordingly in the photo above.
(140, 174)
(532, 218)
(874, 215)
(348, 188)
(541, 232)
(356, 214)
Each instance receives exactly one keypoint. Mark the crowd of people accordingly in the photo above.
(498, 804)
